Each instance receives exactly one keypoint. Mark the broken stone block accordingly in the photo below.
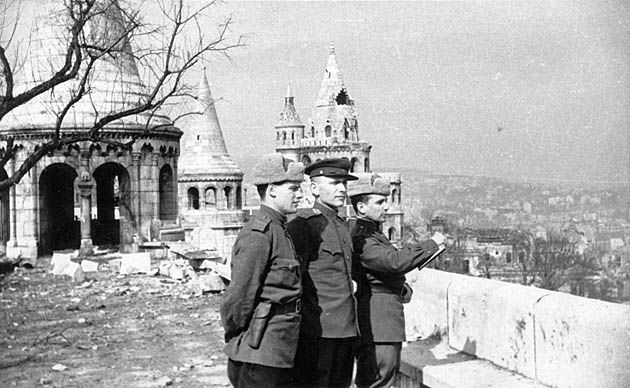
(165, 268)
(176, 272)
(74, 271)
(59, 262)
(211, 282)
(114, 265)
(135, 263)
(89, 266)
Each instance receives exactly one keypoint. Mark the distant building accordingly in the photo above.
(333, 132)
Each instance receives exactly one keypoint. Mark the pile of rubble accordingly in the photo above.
(200, 275)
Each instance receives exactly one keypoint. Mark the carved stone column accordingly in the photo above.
(85, 191)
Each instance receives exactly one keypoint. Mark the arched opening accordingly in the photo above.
(395, 196)
(112, 204)
(228, 197)
(353, 164)
(346, 131)
(306, 160)
(342, 98)
(193, 198)
(58, 228)
(5, 217)
(211, 197)
(366, 165)
(391, 233)
(312, 131)
(168, 207)
(239, 198)
(328, 131)
(292, 137)
(284, 138)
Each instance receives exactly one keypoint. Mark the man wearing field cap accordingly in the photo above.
(260, 310)
(322, 240)
(380, 274)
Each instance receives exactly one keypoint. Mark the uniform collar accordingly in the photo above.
(273, 214)
(370, 225)
(325, 210)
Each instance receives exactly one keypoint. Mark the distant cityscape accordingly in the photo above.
(559, 236)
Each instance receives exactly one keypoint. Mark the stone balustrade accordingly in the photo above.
(550, 338)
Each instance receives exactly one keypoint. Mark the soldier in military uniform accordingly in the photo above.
(380, 276)
(322, 240)
(260, 310)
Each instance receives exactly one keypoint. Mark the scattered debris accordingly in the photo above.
(59, 367)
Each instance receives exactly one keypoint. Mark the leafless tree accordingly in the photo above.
(99, 31)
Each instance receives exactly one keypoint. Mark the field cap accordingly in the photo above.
(275, 168)
(368, 183)
(334, 168)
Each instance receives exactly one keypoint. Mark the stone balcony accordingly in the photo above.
(497, 334)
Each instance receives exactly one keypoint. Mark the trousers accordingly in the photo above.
(377, 364)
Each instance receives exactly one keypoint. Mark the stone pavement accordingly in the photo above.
(109, 331)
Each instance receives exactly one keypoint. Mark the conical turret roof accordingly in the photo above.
(289, 115)
(114, 85)
(204, 154)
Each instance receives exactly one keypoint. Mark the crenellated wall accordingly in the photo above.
(555, 339)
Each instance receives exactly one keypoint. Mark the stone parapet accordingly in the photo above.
(552, 338)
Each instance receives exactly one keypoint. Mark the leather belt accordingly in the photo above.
(289, 307)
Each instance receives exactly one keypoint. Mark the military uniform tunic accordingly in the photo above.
(323, 242)
(380, 275)
(265, 281)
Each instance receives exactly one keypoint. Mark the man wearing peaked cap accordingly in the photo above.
(322, 240)
(380, 275)
(260, 311)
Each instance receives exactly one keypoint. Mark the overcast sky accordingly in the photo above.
(531, 89)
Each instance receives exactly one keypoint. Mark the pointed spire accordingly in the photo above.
(289, 113)
(205, 151)
(289, 91)
(332, 83)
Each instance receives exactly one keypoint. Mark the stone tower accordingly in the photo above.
(333, 132)
(91, 192)
(210, 182)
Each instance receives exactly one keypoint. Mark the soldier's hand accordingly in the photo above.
(450, 241)
(438, 238)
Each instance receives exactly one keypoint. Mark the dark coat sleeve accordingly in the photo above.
(249, 266)
(377, 255)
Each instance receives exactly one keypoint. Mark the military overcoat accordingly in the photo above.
(380, 271)
(259, 328)
(323, 242)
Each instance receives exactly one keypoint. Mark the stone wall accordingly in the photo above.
(554, 338)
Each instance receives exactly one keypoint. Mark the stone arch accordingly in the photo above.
(292, 137)
(168, 205)
(284, 137)
(328, 131)
(58, 228)
(366, 165)
(193, 198)
(5, 217)
(395, 198)
(391, 233)
(210, 197)
(306, 160)
(227, 190)
(353, 164)
(113, 204)
(239, 198)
